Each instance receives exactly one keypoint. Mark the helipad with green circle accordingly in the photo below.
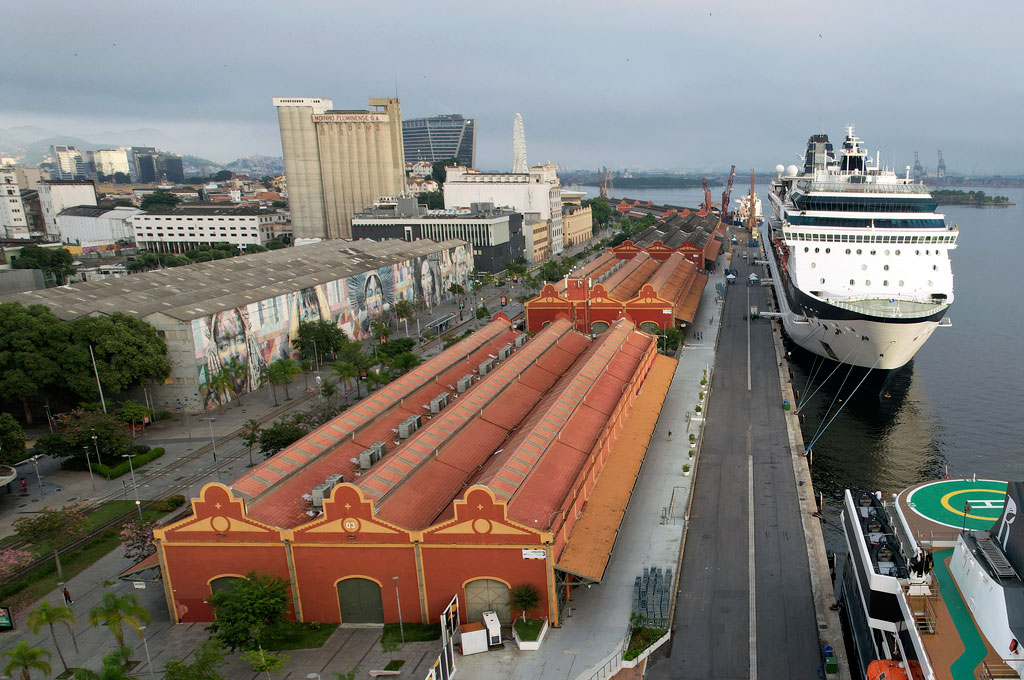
(956, 503)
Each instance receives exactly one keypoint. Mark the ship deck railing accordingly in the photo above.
(867, 188)
(888, 308)
(996, 671)
(924, 612)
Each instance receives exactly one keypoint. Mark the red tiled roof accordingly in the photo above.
(624, 284)
(280, 482)
(594, 268)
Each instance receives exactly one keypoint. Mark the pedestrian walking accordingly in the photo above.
(67, 597)
(24, 485)
(670, 435)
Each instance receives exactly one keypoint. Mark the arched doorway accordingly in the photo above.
(359, 600)
(487, 595)
(223, 583)
(649, 327)
(598, 327)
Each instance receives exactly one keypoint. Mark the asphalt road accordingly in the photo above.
(745, 439)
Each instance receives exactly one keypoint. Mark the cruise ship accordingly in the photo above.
(858, 256)
(930, 587)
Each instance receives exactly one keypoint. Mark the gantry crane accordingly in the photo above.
(726, 215)
(707, 196)
(752, 207)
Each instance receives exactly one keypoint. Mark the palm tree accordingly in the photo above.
(47, 615)
(219, 383)
(239, 377)
(26, 659)
(113, 667)
(375, 379)
(251, 435)
(113, 612)
(525, 597)
(265, 374)
(404, 362)
(345, 371)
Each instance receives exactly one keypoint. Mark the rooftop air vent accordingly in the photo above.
(505, 352)
(485, 367)
(438, 403)
(465, 382)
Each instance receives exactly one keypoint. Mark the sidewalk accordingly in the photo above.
(597, 617)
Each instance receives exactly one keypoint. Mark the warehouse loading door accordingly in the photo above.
(485, 595)
(360, 602)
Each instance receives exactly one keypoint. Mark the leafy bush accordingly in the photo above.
(170, 503)
(139, 459)
(639, 640)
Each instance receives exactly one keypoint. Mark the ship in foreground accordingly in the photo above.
(858, 256)
(931, 587)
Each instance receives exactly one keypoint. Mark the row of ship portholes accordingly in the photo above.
(874, 252)
(885, 267)
(885, 283)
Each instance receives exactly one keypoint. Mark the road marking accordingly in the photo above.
(747, 314)
(750, 548)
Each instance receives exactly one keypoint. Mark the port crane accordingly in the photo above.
(707, 196)
(940, 169)
(752, 208)
(726, 215)
(604, 176)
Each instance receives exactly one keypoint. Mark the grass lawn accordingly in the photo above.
(292, 635)
(529, 629)
(414, 632)
(394, 665)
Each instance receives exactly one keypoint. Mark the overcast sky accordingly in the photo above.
(625, 84)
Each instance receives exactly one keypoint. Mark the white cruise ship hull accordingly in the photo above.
(829, 331)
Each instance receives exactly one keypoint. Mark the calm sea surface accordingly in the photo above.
(958, 404)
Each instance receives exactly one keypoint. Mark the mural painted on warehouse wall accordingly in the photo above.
(259, 333)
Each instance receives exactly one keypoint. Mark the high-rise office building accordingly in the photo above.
(68, 162)
(337, 163)
(149, 165)
(439, 138)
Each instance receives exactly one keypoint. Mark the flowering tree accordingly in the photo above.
(137, 539)
(11, 560)
(51, 527)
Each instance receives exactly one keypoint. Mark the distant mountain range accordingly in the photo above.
(32, 144)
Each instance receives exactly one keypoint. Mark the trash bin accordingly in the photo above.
(831, 663)
(785, 404)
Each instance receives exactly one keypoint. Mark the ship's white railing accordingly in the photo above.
(868, 188)
(904, 309)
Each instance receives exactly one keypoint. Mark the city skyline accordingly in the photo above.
(662, 86)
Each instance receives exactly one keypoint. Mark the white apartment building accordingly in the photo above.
(56, 195)
(91, 226)
(13, 220)
(537, 192)
(184, 228)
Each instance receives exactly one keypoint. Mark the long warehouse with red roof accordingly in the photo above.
(469, 475)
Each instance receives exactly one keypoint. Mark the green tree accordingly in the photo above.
(12, 440)
(281, 434)
(115, 611)
(248, 610)
(128, 353)
(159, 200)
(404, 309)
(274, 244)
(380, 330)
(133, 412)
(47, 615)
(433, 200)
(251, 435)
(375, 379)
(54, 261)
(219, 384)
(32, 344)
(77, 429)
(403, 363)
(240, 378)
(208, 658)
(482, 311)
(438, 172)
(393, 348)
(26, 659)
(51, 527)
(525, 597)
(318, 338)
(113, 667)
(143, 262)
(600, 209)
(346, 371)
(389, 645)
(265, 662)
(282, 372)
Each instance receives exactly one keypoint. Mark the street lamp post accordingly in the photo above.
(149, 660)
(401, 628)
(138, 503)
(96, 444)
(35, 464)
(92, 480)
(49, 418)
(212, 440)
